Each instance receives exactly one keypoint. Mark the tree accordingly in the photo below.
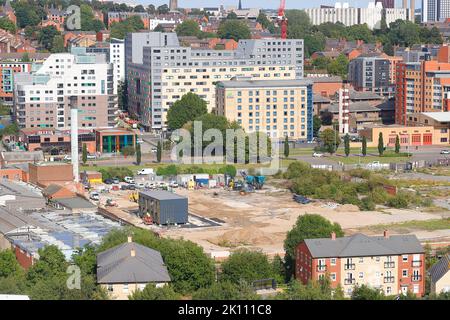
(84, 153)
(347, 144)
(246, 265)
(286, 147)
(364, 292)
(308, 226)
(139, 8)
(327, 118)
(234, 29)
(397, 144)
(317, 123)
(57, 44)
(189, 107)
(339, 66)
(263, 20)
(128, 151)
(138, 154)
(151, 292)
(123, 95)
(380, 144)
(26, 57)
(364, 146)
(232, 16)
(7, 25)
(314, 290)
(188, 28)
(120, 29)
(164, 9)
(158, 152)
(46, 37)
(8, 264)
(226, 290)
(51, 263)
(330, 140)
(321, 63)
(88, 20)
(228, 169)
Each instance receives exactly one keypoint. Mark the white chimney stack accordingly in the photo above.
(74, 137)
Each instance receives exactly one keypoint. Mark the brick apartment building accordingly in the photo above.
(394, 264)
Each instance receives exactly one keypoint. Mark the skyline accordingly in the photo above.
(268, 4)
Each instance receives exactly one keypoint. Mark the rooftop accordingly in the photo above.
(75, 203)
(162, 195)
(438, 116)
(325, 79)
(360, 245)
(440, 268)
(22, 155)
(361, 106)
(131, 263)
(360, 95)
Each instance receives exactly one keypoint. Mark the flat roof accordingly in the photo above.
(438, 116)
(75, 203)
(161, 195)
(264, 83)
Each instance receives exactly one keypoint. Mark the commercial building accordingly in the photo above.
(55, 141)
(440, 275)
(129, 267)
(164, 207)
(373, 73)
(160, 71)
(440, 121)
(112, 140)
(410, 137)
(394, 264)
(421, 87)
(43, 97)
(46, 173)
(282, 108)
(349, 16)
(360, 115)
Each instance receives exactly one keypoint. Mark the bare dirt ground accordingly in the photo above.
(261, 220)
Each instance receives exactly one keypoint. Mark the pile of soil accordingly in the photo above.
(250, 236)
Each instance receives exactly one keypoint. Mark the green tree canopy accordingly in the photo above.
(189, 107)
(8, 264)
(339, 66)
(7, 25)
(330, 140)
(364, 292)
(246, 265)
(151, 292)
(188, 28)
(234, 29)
(226, 290)
(46, 37)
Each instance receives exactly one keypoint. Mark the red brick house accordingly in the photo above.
(394, 264)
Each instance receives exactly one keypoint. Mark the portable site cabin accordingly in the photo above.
(164, 207)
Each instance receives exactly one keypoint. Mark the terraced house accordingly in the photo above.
(160, 71)
(394, 264)
(42, 97)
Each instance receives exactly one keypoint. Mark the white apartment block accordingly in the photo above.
(117, 58)
(372, 15)
(42, 97)
(159, 71)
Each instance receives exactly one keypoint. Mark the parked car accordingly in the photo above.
(445, 152)
(154, 150)
(116, 180)
(145, 171)
(128, 179)
(140, 185)
(91, 157)
(131, 186)
(108, 181)
(94, 196)
(124, 187)
(67, 158)
(317, 155)
(173, 184)
(139, 141)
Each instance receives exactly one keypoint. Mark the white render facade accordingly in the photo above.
(41, 97)
(117, 58)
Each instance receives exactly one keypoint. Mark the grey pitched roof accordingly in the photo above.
(162, 195)
(361, 95)
(325, 79)
(23, 156)
(75, 203)
(317, 98)
(117, 265)
(440, 268)
(359, 245)
(360, 106)
(51, 189)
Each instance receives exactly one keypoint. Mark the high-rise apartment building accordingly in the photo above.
(279, 108)
(160, 71)
(421, 87)
(386, 3)
(435, 10)
(42, 97)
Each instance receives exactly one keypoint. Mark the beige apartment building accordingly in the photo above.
(279, 108)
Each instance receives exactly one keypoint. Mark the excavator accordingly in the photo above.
(134, 196)
(253, 182)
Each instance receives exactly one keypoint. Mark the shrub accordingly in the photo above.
(398, 201)
(379, 195)
(367, 204)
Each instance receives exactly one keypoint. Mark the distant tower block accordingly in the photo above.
(173, 4)
(240, 5)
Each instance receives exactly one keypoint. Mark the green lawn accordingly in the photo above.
(428, 225)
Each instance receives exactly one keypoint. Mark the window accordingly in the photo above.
(333, 261)
(405, 258)
(333, 276)
(110, 288)
(125, 288)
(361, 260)
(361, 275)
(405, 273)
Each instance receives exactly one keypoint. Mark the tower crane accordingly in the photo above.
(282, 20)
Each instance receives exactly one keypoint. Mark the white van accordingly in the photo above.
(145, 171)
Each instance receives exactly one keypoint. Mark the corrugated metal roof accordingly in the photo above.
(360, 245)
(161, 195)
(117, 265)
(75, 203)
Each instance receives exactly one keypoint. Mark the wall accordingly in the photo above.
(120, 293)
(443, 284)
(40, 175)
(14, 174)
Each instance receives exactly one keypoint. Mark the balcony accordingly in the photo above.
(349, 266)
(349, 281)
(321, 268)
(389, 279)
(416, 264)
(389, 264)
(416, 278)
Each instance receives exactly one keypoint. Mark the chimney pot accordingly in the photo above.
(386, 234)
(133, 253)
(130, 239)
(333, 236)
